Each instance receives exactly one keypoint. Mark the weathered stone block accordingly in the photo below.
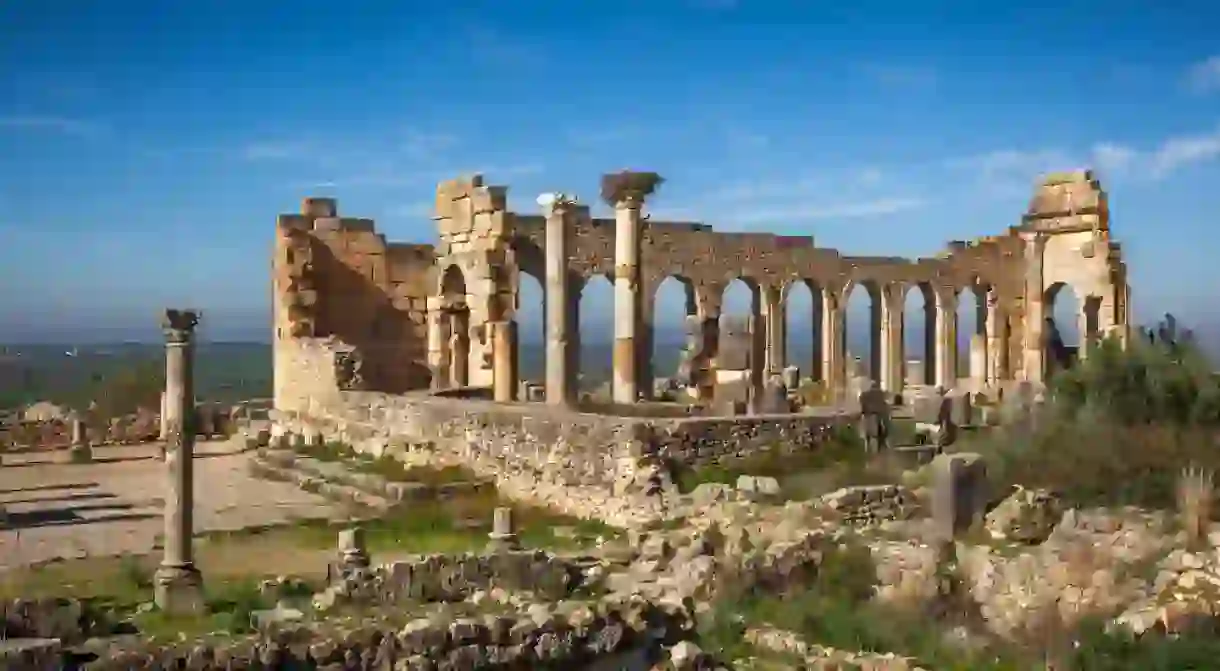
(959, 492)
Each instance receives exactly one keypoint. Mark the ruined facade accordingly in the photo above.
(353, 312)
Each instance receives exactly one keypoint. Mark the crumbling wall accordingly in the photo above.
(591, 466)
(344, 299)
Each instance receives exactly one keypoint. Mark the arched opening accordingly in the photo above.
(919, 335)
(673, 335)
(972, 332)
(742, 300)
(531, 328)
(1061, 329)
(456, 326)
(803, 346)
(595, 331)
(862, 332)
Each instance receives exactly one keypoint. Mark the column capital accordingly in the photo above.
(557, 204)
(179, 325)
(627, 190)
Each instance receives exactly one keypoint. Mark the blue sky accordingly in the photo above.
(146, 147)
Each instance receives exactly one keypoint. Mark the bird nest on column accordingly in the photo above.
(620, 186)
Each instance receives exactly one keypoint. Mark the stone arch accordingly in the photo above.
(593, 302)
(871, 363)
(803, 326)
(919, 333)
(530, 315)
(672, 323)
(456, 325)
(971, 333)
(1061, 327)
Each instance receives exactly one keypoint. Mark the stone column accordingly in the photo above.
(978, 361)
(438, 343)
(994, 339)
(946, 338)
(504, 360)
(774, 318)
(834, 369)
(560, 381)
(892, 305)
(626, 295)
(178, 584)
(164, 423)
(1033, 360)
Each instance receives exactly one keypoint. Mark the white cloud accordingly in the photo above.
(1204, 76)
(1177, 152)
(1113, 158)
(66, 126)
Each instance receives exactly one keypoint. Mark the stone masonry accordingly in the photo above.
(353, 312)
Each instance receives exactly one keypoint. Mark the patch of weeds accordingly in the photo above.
(841, 450)
(328, 451)
(459, 523)
(229, 607)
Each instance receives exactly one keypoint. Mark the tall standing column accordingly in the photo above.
(560, 382)
(1035, 311)
(774, 318)
(946, 338)
(178, 584)
(626, 192)
(834, 369)
(994, 339)
(626, 296)
(892, 299)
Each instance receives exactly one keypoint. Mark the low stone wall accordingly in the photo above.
(67, 620)
(589, 465)
(704, 440)
(561, 638)
(455, 577)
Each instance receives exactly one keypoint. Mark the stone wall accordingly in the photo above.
(591, 466)
(337, 278)
(704, 440)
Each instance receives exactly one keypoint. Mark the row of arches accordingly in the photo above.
(802, 344)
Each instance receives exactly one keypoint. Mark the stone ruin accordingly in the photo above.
(382, 344)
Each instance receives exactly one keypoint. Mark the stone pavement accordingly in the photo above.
(113, 506)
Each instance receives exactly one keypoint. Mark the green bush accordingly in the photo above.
(1164, 381)
(1120, 428)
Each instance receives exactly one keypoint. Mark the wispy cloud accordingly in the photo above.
(1204, 76)
(1013, 169)
(1178, 152)
(901, 76)
(52, 124)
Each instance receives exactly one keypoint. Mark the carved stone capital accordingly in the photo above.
(179, 325)
(558, 205)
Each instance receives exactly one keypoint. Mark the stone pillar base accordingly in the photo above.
(178, 590)
(502, 543)
(80, 454)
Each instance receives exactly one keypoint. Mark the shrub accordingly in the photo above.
(1157, 381)
(1120, 427)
